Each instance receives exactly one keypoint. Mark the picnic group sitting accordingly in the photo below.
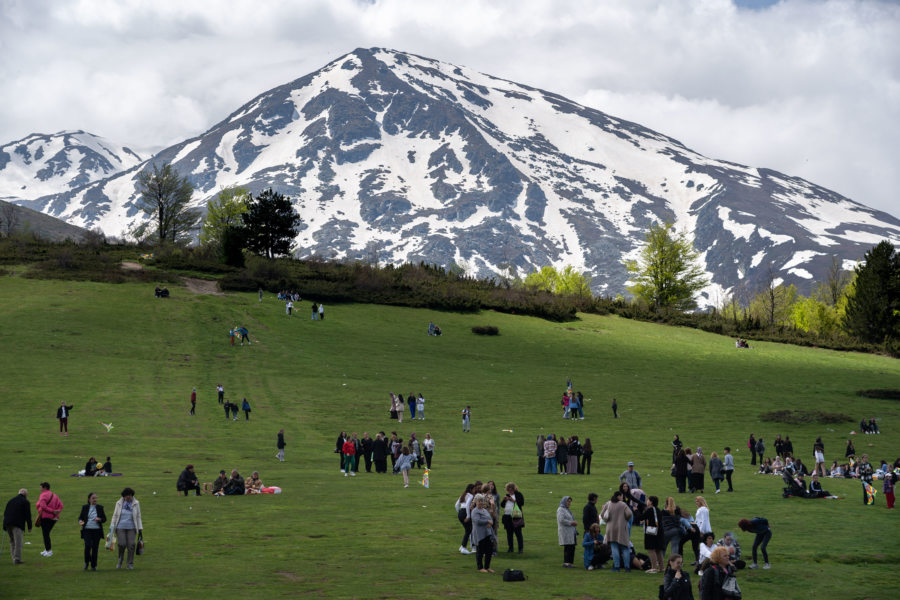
(797, 486)
(870, 426)
(289, 295)
(741, 343)
(162, 292)
(238, 486)
(433, 329)
(96, 469)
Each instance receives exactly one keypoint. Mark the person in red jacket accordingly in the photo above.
(349, 452)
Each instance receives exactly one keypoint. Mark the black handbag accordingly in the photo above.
(513, 575)
(140, 544)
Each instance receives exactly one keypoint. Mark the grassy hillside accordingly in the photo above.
(122, 356)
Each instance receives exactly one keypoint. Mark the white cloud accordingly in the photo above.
(805, 87)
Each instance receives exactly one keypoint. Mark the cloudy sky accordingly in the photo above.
(807, 87)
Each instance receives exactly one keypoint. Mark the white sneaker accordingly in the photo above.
(405, 485)
(345, 475)
(352, 474)
(590, 568)
(717, 491)
(342, 470)
(464, 550)
(49, 553)
(43, 553)
(753, 566)
(766, 566)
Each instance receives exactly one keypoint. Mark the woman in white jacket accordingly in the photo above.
(702, 517)
(126, 522)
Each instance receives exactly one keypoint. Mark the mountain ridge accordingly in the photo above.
(407, 158)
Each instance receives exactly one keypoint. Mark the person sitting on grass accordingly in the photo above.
(187, 481)
(107, 467)
(730, 543)
(596, 553)
(90, 467)
(253, 485)
(235, 485)
(815, 488)
(218, 486)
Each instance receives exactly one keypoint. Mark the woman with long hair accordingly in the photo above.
(462, 513)
(562, 455)
(540, 453)
(654, 538)
(513, 521)
(676, 582)
(671, 525)
(587, 451)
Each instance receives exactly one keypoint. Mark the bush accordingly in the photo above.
(880, 394)
(486, 330)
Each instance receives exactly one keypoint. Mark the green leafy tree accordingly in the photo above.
(667, 274)
(567, 282)
(814, 316)
(164, 197)
(270, 224)
(774, 304)
(873, 310)
(222, 212)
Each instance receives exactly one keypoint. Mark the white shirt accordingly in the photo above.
(702, 519)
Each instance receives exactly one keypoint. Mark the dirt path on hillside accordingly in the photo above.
(128, 265)
(202, 286)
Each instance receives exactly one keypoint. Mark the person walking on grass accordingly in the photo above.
(615, 409)
(428, 449)
(466, 413)
(403, 465)
(48, 508)
(221, 393)
(245, 406)
(751, 446)
(91, 519)
(865, 476)
(716, 470)
(728, 467)
(420, 407)
(126, 522)
(760, 527)
(193, 401)
(315, 311)
(321, 311)
(631, 477)
(15, 518)
(62, 413)
(280, 445)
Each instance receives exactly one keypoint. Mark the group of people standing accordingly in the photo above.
(404, 456)
(415, 402)
(562, 456)
(689, 468)
(126, 528)
(481, 511)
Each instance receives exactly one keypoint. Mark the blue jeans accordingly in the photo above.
(580, 412)
(625, 557)
(761, 541)
(630, 521)
(550, 465)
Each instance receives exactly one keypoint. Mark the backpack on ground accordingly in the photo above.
(513, 575)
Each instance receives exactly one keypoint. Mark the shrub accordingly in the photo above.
(486, 330)
(880, 394)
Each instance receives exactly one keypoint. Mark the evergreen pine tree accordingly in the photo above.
(873, 308)
(270, 224)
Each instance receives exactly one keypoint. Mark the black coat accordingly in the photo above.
(380, 449)
(589, 515)
(677, 589)
(187, 480)
(711, 583)
(17, 513)
(368, 445)
(68, 410)
(84, 516)
(280, 444)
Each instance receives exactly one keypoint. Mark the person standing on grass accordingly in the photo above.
(48, 508)
(715, 575)
(751, 445)
(728, 467)
(245, 406)
(193, 401)
(511, 502)
(630, 476)
(589, 514)
(411, 401)
(315, 311)
(126, 522)
(234, 411)
(760, 449)
(91, 519)
(348, 449)
(260, 294)
(819, 455)
(865, 476)
(16, 516)
(466, 413)
(698, 468)
(321, 311)
(654, 536)
(463, 514)
(550, 448)
(567, 531)
(615, 409)
(366, 446)
(587, 451)
(380, 453)
(62, 413)
(482, 534)
(428, 448)
(676, 582)
(420, 406)
(221, 393)
(715, 470)
(280, 445)
(617, 514)
(890, 479)
(681, 470)
(760, 527)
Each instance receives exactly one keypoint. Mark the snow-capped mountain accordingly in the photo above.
(391, 155)
(40, 164)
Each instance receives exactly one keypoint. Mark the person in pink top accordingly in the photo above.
(48, 508)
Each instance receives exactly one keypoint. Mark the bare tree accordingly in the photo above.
(9, 217)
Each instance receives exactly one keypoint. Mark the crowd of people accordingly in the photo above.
(558, 455)
(481, 511)
(404, 456)
(415, 402)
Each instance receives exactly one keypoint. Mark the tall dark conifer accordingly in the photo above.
(270, 224)
(873, 310)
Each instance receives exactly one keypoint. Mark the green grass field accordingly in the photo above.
(121, 356)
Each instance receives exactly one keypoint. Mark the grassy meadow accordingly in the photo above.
(122, 356)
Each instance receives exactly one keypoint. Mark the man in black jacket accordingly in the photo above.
(589, 515)
(187, 481)
(16, 516)
(62, 413)
(235, 485)
(368, 446)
